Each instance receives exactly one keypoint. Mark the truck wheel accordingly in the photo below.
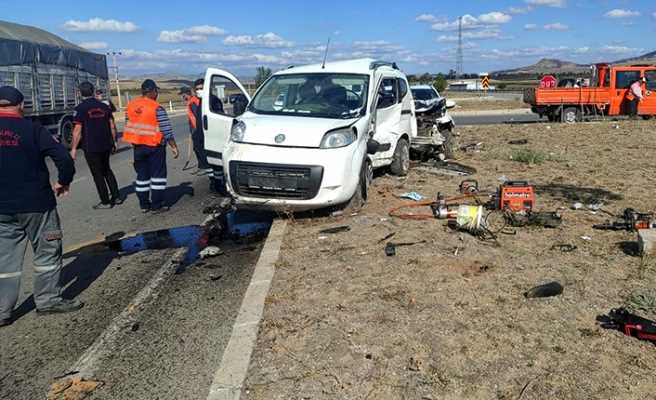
(361, 192)
(571, 115)
(401, 159)
(65, 133)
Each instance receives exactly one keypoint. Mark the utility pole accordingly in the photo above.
(460, 58)
(115, 67)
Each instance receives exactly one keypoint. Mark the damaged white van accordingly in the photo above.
(311, 136)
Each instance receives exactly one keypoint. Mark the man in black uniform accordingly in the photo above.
(28, 209)
(94, 125)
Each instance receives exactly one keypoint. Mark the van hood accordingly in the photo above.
(297, 131)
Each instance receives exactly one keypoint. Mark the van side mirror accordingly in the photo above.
(373, 147)
(450, 104)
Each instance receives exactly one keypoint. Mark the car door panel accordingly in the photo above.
(388, 121)
(223, 98)
(648, 104)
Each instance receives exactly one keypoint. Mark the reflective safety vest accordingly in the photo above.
(142, 126)
(193, 100)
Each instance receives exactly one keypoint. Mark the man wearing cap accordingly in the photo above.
(149, 130)
(95, 127)
(28, 209)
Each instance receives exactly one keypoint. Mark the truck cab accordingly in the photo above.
(311, 136)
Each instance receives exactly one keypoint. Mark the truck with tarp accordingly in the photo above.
(47, 70)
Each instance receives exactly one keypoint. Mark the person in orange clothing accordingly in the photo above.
(197, 134)
(148, 128)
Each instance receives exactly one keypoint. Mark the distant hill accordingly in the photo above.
(545, 66)
(649, 58)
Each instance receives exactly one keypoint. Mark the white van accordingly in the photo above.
(311, 136)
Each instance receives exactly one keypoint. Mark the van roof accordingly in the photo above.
(357, 66)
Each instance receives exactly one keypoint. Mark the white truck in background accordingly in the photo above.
(47, 70)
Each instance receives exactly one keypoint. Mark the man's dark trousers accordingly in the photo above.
(103, 176)
(198, 139)
(150, 165)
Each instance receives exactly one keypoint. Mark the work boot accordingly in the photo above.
(64, 306)
(103, 206)
(160, 210)
(6, 322)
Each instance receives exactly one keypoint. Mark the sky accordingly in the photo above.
(421, 36)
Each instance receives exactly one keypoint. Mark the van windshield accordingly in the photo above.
(319, 95)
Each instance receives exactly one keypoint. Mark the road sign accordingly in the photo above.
(548, 82)
(485, 82)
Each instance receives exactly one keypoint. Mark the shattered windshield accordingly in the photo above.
(422, 94)
(320, 95)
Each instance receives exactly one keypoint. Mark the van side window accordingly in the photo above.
(403, 89)
(624, 79)
(226, 98)
(651, 79)
(387, 93)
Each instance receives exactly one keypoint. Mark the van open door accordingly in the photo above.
(224, 99)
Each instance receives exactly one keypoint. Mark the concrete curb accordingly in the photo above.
(229, 378)
(482, 113)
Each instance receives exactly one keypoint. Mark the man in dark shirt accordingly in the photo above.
(94, 125)
(99, 97)
(28, 209)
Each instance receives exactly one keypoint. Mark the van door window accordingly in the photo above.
(387, 93)
(226, 98)
(403, 89)
(624, 79)
(651, 80)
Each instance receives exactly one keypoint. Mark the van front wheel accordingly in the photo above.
(361, 192)
(401, 159)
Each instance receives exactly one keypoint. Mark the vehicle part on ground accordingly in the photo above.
(571, 115)
(630, 220)
(550, 289)
(390, 247)
(469, 186)
(337, 229)
(518, 141)
(401, 160)
(564, 247)
(630, 324)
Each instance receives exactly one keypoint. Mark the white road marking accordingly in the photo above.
(229, 378)
(105, 344)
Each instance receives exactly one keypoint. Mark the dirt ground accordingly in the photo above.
(447, 319)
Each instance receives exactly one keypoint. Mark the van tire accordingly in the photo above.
(401, 159)
(361, 192)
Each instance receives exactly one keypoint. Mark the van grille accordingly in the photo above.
(275, 181)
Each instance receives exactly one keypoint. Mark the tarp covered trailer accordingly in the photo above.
(47, 70)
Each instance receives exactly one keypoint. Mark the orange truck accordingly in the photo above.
(607, 95)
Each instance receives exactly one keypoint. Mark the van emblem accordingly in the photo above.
(280, 138)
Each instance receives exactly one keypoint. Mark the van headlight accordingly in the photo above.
(238, 131)
(338, 138)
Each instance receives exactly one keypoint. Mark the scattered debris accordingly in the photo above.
(564, 247)
(390, 248)
(323, 237)
(72, 388)
(337, 229)
(595, 206)
(547, 290)
(519, 141)
(631, 220)
(412, 196)
(586, 238)
(629, 324)
(503, 179)
(577, 206)
(135, 326)
(337, 213)
(210, 251)
(215, 278)
(471, 147)
(391, 235)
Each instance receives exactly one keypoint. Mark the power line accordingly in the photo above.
(115, 67)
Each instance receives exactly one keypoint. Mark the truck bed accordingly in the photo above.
(558, 96)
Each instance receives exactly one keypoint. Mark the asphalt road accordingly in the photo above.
(177, 344)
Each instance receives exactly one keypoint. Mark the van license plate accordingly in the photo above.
(271, 183)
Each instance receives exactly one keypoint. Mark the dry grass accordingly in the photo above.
(446, 319)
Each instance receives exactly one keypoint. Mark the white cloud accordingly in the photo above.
(520, 10)
(206, 30)
(495, 18)
(471, 35)
(547, 3)
(621, 50)
(429, 18)
(483, 21)
(620, 13)
(180, 37)
(100, 25)
(556, 26)
(94, 45)
(265, 40)
(582, 50)
(530, 27)
(194, 34)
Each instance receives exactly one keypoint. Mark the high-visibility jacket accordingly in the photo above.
(142, 126)
(193, 101)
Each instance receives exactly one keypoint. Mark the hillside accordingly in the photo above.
(649, 58)
(545, 66)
